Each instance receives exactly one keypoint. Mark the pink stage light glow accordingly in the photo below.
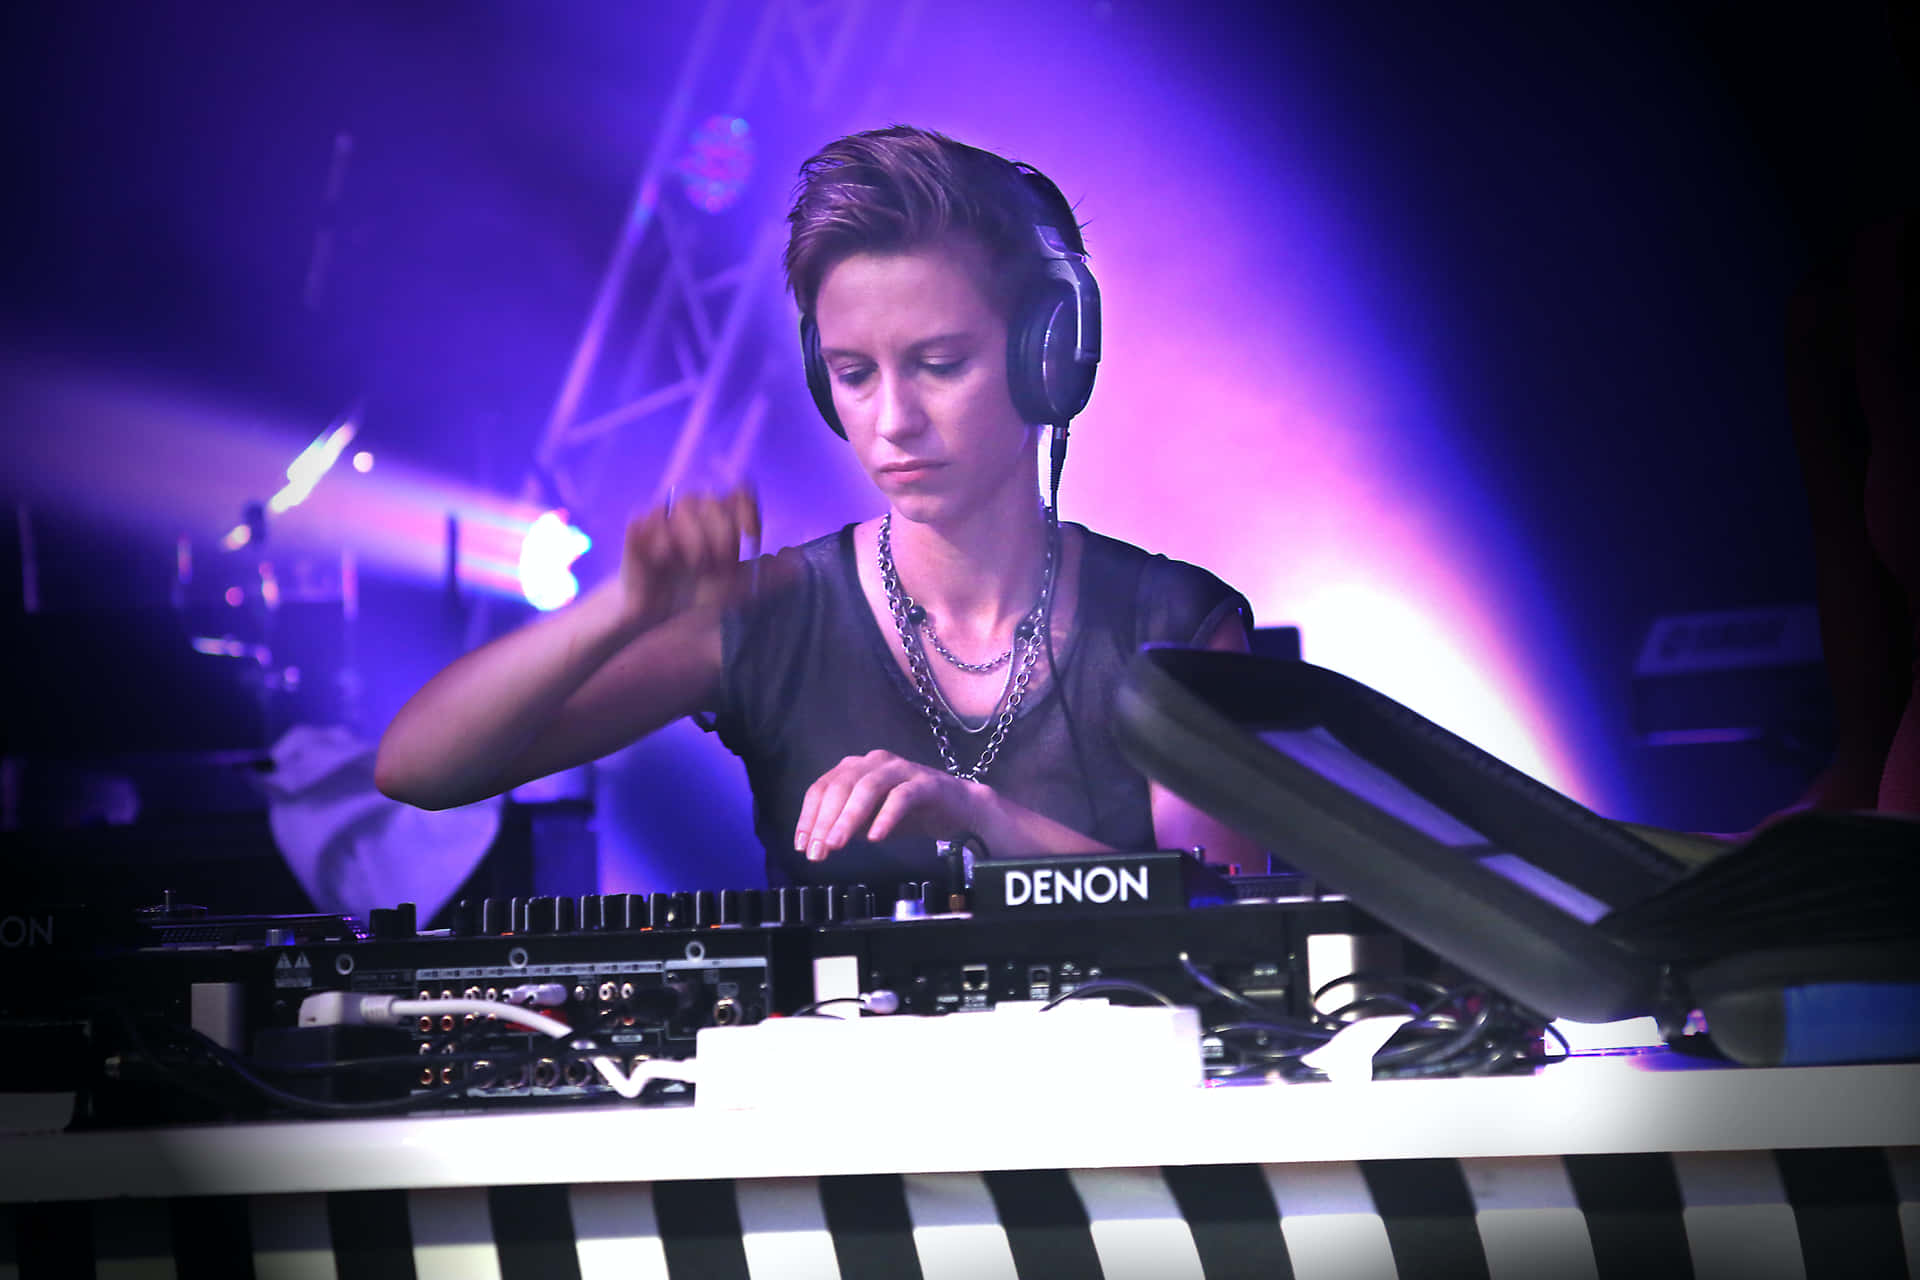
(1271, 404)
(148, 457)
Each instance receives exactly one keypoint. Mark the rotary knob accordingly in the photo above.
(392, 922)
(626, 911)
(496, 916)
(541, 915)
(744, 907)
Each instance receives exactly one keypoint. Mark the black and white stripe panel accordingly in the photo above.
(1905, 1164)
(1808, 1215)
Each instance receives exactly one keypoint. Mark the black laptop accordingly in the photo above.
(1799, 945)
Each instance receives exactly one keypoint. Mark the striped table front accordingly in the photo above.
(1841, 1212)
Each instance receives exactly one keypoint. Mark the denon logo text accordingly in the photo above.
(1047, 887)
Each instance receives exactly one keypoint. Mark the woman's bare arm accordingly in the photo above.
(631, 656)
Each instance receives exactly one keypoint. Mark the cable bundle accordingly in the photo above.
(1466, 1030)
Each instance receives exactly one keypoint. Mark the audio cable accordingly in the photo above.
(345, 1008)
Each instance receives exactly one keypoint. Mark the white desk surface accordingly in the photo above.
(1615, 1103)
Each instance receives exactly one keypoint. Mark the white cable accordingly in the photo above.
(514, 1013)
(345, 1008)
(629, 1086)
(881, 1001)
(342, 1008)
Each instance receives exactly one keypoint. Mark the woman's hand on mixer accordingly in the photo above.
(878, 794)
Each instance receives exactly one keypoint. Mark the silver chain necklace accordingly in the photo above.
(925, 622)
(917, 615)
(1029, 637)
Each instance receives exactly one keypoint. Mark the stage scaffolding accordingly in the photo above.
(672, 347)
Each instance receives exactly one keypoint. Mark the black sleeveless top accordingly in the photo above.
(808, 678)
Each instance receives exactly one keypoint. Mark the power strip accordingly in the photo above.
(1086, 1048)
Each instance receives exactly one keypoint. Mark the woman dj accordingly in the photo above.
(947, 667)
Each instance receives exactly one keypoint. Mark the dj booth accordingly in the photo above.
(997, 1116)
(1623, 1164)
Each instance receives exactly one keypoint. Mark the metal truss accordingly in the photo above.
(671, 347)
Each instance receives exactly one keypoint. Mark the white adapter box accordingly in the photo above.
(1082, 1048)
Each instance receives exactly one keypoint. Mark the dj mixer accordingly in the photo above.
(188, 1016)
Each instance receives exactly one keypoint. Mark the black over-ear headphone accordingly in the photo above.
(1053, 336)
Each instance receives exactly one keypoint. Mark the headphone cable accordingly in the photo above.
(1058, 450)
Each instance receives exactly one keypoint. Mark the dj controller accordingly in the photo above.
(187, 1016)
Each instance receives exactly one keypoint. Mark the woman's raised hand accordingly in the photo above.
(689, 555)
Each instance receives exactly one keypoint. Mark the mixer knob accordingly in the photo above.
(659, 910)
(786, 904)
(464, 921)
(392, 922)
(741, 906)
(540, 915)
(813, 903)
(592, 911)
(683, 910)
(933, 898)
(859, 903)
(564, 918)
(838, 900)
(705, 912)
(496, 916)
(626, 911)
(906, 902)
